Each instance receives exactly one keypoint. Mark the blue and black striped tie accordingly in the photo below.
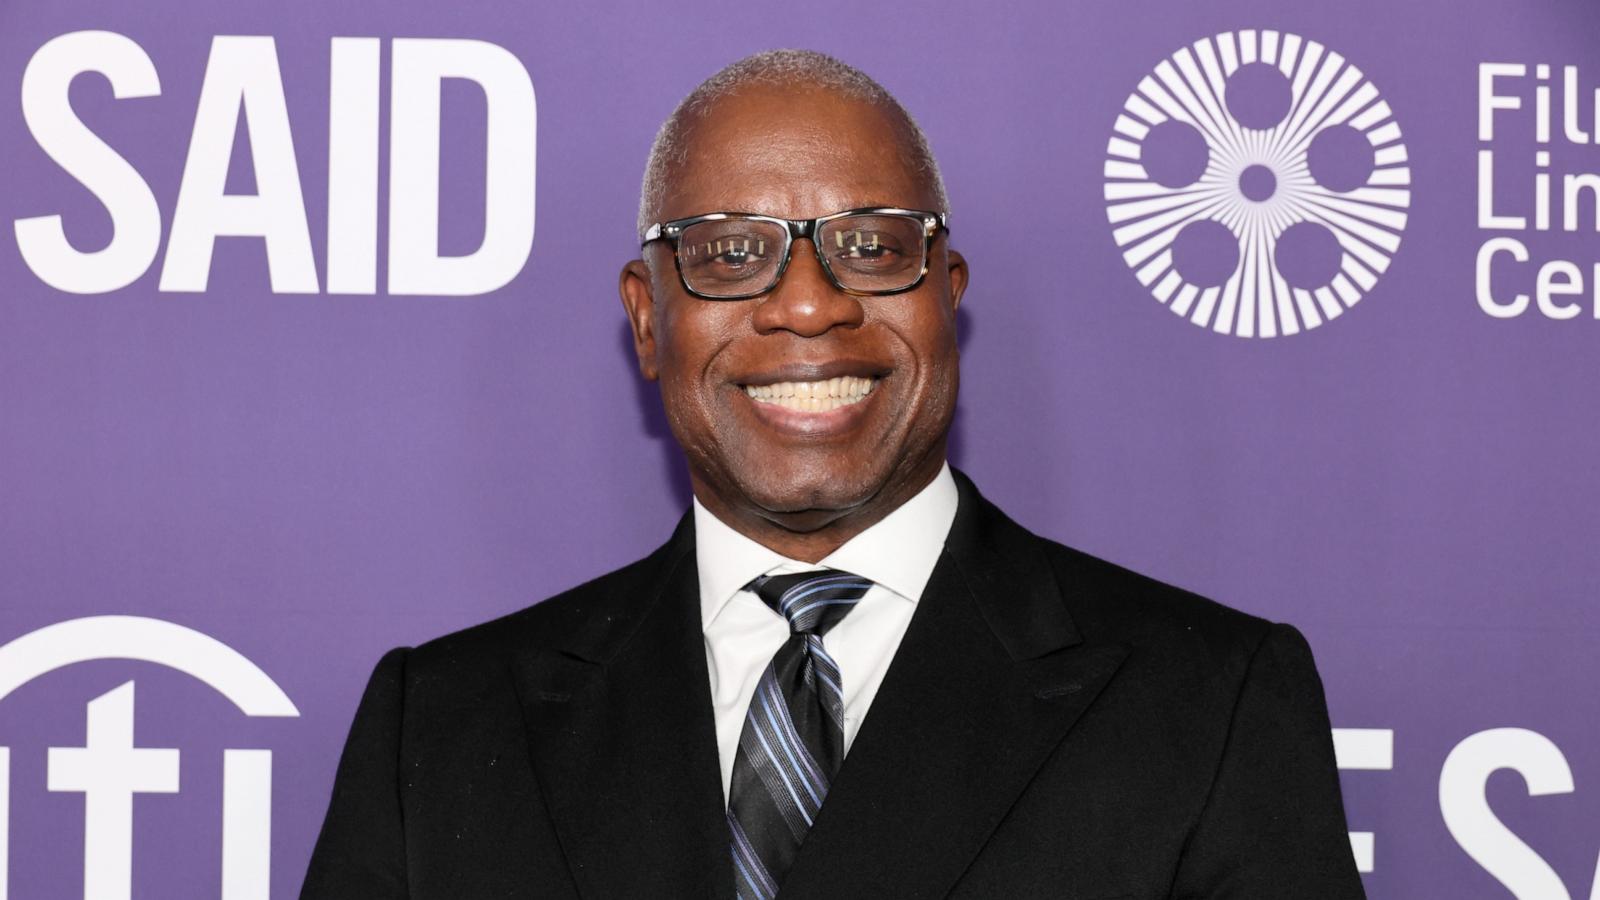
(793, 738)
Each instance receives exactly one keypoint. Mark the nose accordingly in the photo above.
(805, 301)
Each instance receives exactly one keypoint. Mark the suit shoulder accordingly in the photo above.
(1111, 603)
(1114, 602)
(550, 623)
(1179, 632)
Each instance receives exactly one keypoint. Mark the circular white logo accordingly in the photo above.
(1257, 183)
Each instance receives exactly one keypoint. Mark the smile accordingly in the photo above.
(813, 396)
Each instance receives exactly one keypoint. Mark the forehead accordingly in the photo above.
(794, 151)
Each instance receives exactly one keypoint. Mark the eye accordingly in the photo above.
(865, 247)
(731, 252)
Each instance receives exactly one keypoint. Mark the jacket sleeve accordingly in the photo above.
(1274, 825)
(361, 850)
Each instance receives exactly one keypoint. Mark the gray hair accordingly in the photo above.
(780, 68)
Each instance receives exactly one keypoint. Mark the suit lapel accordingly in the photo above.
(988, 679)
(622, 737)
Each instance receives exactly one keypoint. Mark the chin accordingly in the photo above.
(826, 494)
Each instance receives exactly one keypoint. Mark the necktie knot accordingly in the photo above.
(813, 602)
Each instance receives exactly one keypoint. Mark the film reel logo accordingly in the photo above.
(1257, 183)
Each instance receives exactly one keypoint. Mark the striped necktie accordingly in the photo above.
(793, 738)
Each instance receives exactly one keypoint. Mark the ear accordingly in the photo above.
(958, 277)
(639, 301)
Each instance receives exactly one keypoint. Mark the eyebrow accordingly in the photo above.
(745, 210)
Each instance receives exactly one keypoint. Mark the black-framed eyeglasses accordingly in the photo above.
(870, 251)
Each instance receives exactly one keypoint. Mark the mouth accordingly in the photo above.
(819, 396)
(815, 400)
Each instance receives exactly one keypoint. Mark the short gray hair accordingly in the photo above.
(780, 68)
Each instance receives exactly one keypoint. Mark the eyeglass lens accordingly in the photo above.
(869, 253)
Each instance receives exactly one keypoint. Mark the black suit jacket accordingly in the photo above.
(1051, 726)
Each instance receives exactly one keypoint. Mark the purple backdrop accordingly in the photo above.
(312, 478)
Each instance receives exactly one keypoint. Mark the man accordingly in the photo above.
(840, 617)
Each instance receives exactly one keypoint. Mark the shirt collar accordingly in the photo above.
(898, 552)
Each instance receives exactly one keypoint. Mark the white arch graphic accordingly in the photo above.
(144, 639)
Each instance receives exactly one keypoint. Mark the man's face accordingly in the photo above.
(798, 152)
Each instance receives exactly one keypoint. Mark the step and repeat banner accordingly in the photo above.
(310, 347)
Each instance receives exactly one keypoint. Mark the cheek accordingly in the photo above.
(930, 344)
(944, 381)
(689, 340)
(689, 334)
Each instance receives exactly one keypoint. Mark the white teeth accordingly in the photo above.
(813, 396)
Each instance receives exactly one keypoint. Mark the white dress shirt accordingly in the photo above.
(742, 633)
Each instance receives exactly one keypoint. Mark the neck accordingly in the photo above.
(810, 535)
